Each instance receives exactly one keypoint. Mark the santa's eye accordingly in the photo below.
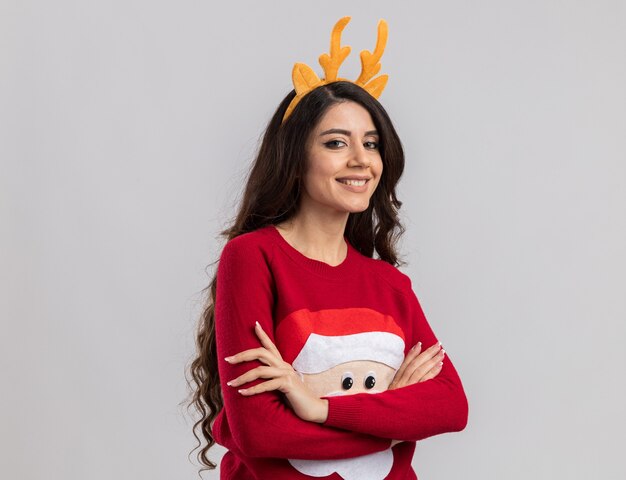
(370, 380)
(347, 380)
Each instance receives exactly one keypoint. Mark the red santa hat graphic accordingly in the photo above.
(314, 342)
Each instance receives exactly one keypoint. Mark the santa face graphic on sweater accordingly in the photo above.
(343, 352)
(359, 376)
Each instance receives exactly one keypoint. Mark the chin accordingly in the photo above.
(350, 210)
(359, 209)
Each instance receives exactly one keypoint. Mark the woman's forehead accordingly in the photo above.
(349, 116)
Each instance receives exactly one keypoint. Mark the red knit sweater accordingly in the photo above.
(262, 278)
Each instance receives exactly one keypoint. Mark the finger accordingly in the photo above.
(433, 372)
(419, 366)
(419, 360)
(427, 355)
(268, 386)
(258, 372)
(261, 354)
(433, 361)
(413, 367)
(266, 341)
(408, 359)
(424, 368)
(434, 348)
(405, 370)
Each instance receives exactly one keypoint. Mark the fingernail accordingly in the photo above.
(259, 325)
(228, 359)
(242, 390)
(229, 383)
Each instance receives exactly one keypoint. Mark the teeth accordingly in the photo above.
(356, 183)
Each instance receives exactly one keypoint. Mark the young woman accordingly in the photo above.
(315, 359)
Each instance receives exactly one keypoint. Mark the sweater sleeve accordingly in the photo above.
(262, 425)
(409, 413)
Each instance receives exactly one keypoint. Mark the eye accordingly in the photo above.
(370, 380)
(347, 380)
(376, 145)
(332, 142)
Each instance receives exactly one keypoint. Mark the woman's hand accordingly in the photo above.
(281, 376)
(419, 367)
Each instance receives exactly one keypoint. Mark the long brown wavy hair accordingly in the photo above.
(271, 196)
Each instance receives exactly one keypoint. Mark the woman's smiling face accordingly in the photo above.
(343, 146)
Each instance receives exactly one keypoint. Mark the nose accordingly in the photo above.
(359, 156)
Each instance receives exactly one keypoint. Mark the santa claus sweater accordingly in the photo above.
(346, 328)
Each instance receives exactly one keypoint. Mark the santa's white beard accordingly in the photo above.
(375, 466)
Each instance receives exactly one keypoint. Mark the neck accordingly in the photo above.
(317, 238)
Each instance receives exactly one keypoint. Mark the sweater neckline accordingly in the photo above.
(340, 270)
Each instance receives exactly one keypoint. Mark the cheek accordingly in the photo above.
(379, 166)
(316, 186)
(380, 170)
(319, 182)
(377, 183)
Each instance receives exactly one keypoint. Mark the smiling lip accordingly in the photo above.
(354, 188)
(355, 177)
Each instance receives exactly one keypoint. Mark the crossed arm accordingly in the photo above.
(263, 425)
(417, 367)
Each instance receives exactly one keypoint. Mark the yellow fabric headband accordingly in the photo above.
(305, 79)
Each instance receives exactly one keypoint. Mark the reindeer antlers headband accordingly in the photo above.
(305, 79)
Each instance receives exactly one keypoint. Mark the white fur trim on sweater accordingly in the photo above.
(321, 353)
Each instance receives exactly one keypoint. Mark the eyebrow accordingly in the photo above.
(345, 132)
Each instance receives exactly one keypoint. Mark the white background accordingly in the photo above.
(127, 129)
